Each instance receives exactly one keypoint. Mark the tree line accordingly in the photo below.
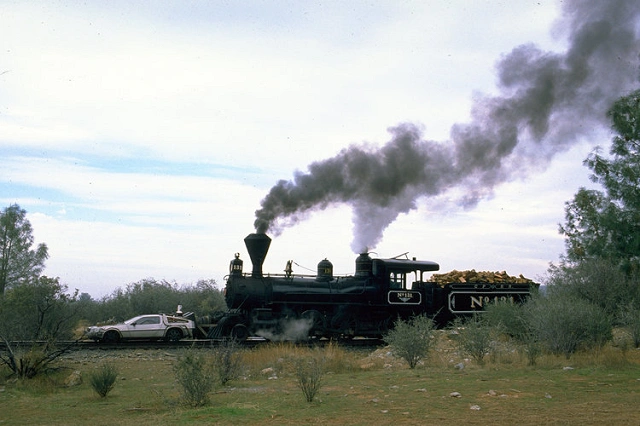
(34, 306)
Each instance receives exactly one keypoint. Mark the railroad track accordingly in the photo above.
(73, 345)
(130, 344)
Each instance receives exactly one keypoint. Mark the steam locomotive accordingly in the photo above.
(294, 307)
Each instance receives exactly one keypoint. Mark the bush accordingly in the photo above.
(411, 339)
(507, 317)
(630, 320)
(104, 379)
(227, 361)
(511, 319)
(194, 374)
(309, 372)
(531, 348)
(475, 338)
(38, 310)
(565, 323)
(29, 363)
(598, 281)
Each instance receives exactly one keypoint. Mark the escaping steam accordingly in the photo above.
(547, 101)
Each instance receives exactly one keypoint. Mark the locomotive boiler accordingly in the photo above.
(293, 307)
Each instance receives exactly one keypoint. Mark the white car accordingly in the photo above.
(148, 327)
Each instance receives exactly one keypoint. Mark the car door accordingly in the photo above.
(147, 327)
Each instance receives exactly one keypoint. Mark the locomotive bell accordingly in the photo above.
(325, 271)
(257, 246)
(364, 265)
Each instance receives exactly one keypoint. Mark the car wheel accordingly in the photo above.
(173, 335)
(111, 336)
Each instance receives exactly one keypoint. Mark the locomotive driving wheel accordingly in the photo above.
(345, 324)
(240, 332)
(316, 322)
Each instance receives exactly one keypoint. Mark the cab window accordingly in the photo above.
(396, 280)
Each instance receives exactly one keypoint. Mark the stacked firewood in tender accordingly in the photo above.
(473, 276)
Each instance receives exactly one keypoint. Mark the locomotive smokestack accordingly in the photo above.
(257, 246)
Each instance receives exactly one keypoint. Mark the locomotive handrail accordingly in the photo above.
(291, 276)
(243, 300)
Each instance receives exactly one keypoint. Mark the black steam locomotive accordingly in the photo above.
(294, 307)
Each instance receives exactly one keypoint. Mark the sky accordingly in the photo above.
(142, 137)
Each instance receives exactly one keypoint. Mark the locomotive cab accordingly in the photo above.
(398, 273)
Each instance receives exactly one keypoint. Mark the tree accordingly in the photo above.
(19, 263)
(599, 282)
(40, 310)
(606, 224)
(37, 311)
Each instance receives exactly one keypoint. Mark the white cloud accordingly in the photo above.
(110, 113)
(118, 80)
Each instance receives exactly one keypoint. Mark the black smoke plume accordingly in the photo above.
(547, 102)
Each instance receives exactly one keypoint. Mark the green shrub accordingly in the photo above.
(475, 338)
(411, 339)
(531, 348)
(598, 281)
(227, 361)
(194, 373)
(29, 363)
(104, 379)
(565, 323)
(511, 319)
(507, 317)
(309, 373)
(630, 320)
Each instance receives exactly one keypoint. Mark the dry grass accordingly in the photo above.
(281, 358)
(359, 388)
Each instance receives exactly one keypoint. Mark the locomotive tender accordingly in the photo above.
(293, 307)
